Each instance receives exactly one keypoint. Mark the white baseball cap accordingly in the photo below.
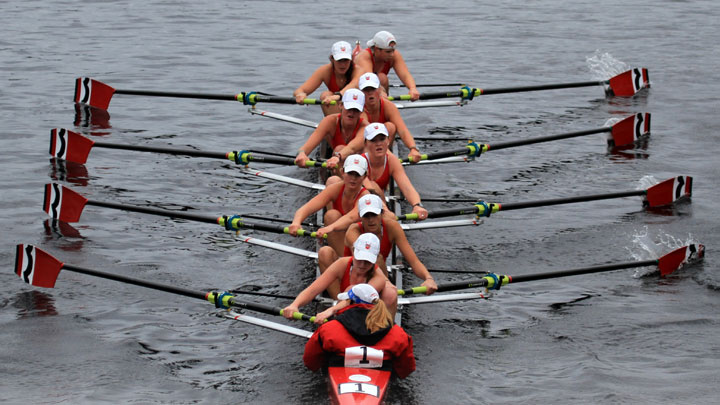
(341, 50)
(382, 40)
(374, 129)
(366, 247)
(355, 163)
(360, 294)
(368, 80)
(369, 203)
(353, 98)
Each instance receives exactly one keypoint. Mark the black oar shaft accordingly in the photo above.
(155, 211)
(141, 283)
(568, 200)
(172, 151)
(204, 96)
(584, 270)
(548, 138)
(501, 90)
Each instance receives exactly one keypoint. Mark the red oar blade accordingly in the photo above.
(628, 83)
(62, 203)
(669, 191)
(69, 145)
(630, 129)
(93, 93)
(36, 267)
(678, 257)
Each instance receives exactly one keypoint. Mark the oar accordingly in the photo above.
(659, 195)
(98, 94)
(38, 268)
(66, 205)
(625, 84)
(71, 146)
(430, 85)
(667, 264)
(622, 133)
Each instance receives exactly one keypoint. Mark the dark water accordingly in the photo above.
(614, 337)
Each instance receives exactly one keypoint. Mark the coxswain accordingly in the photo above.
(360, 319)
(360, 268)
(335, 75)
(371, 209)
(378, 109)
(379, 57)
(343, 131)
(341, 196)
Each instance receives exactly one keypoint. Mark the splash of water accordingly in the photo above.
(603, 66)
(650, 247)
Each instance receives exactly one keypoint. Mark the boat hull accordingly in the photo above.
(365, 386)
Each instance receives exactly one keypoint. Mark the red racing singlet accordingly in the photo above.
(345, 282)
(384, 178)
(381, 117)
(338, 138)
(385, 244)
(386, 67)
(337, 204)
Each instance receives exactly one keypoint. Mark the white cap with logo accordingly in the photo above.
(369, 203)
(366, 247)
(374, 129)
(341, 50)
(382, 40)
(353, 98)
(355, 163)
(360, 294)
(368, 80)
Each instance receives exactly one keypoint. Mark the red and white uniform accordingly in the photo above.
(385, 245)
(384, 69)
(348, 330)
(338, 138)
(384, 178)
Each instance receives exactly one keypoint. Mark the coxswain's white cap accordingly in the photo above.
(368, 80)
(360, 294)
(353, 98)
(341, 50)
(355, 163)
(374, 129)
(366, 247)
(382, 40)
(369, 203)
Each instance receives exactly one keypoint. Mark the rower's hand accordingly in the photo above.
(414, 156)
(323, 316)
(414, 94)
(300, 97)
(332, 162)
(289, 310)
(329, 99)
(422, 212)
(294, 228)
(429, 283)
(325, 230)
(300, 159)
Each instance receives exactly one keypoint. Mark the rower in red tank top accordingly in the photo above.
(385, 244)
(338, 203)
(336, 75)
(384, 179)
(340, 139)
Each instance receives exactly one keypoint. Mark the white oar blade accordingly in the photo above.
(36, 267)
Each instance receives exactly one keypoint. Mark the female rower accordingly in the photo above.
(360, 268)
(342, 196)
(343, 131)
(389, 231)
(379, 57)
(378, 109)
(335, 75)
(383, 165)
(361, 319)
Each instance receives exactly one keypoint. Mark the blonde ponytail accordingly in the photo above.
(379, 317)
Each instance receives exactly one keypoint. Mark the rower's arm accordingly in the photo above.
(357, 144)
(408, 253)
(361, 64)
(314, 205)
(403, 181)
(393, 115)
(315, 138)
(403, 73)
(311, 84)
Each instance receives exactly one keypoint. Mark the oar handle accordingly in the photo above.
(236, 223)
(244, 157)
(472, 149)
(480, 209)
(227, 300)
(488, 281)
